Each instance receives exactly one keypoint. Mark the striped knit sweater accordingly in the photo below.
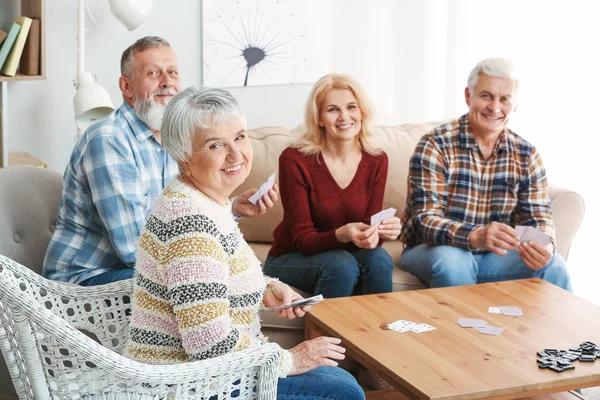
(198, 284)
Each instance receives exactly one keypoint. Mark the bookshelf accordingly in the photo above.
(32, 9)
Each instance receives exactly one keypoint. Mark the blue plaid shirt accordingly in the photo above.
(116, 173)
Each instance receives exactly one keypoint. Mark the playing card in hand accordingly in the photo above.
(376, 219)
(264, 189)
(529, 233)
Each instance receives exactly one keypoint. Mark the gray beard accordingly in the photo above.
(150, 113)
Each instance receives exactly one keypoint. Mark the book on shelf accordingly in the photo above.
(12, 61)
(3, 35)
(30, 60)
(13, 31)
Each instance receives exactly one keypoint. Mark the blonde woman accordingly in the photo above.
(331, 183)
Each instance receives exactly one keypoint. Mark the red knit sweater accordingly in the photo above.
(314, 205)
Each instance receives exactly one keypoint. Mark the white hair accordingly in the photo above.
(495, 67)
(194, 111)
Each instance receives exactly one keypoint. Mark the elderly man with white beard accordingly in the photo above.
(116, 172)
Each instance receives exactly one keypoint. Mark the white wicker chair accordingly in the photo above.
(49, 358)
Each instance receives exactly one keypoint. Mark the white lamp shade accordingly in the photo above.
(91, 101)
(131, 13)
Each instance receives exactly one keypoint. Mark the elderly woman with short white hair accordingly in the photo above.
(198, 284)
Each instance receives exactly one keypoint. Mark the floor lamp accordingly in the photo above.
(92, 102)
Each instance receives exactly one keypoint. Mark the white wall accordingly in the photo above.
(41, 112)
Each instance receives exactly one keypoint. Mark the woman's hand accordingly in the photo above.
(314, 353)
(389, 229)
(278, 294)
(362, 235)
(242, 207)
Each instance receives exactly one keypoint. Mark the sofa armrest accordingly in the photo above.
(567, 213)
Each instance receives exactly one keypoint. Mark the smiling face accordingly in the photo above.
(491, 104)
(340, 115)
(153, 82)
(221, 160)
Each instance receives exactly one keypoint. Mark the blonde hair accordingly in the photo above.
(313, 140)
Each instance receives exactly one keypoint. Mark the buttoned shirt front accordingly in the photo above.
(452, 189)
(116, 172)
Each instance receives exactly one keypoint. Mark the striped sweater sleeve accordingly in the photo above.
(197, 274)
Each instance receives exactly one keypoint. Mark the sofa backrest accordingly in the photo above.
(397, 141)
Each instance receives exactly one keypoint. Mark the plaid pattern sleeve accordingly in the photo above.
(115, 174)
(118, 192)
(426, 216)
(452, 189)
(534, 202)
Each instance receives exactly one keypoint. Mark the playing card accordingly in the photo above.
(494, 310)
(520, 229)
(401, 324)
(491, 330)
(419, 328)
(529, 233)
(389, 213)
(299, 303)
(471, 323)
(512, 311)
(376, 218)
(264, 189)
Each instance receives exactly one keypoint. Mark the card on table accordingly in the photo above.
(418, 328)
(264, 189)
(491, 330)
(512, 311)
(471, 323)
(401, 325)
(494, 310)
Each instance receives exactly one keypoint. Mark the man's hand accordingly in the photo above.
(242, 207)
(362, 235)
(389, 229)
(495, 237)
(278, 294)
(534, 255)
(317, 352)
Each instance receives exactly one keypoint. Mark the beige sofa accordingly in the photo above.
(398, 142)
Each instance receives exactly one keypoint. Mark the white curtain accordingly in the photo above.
(414, 57)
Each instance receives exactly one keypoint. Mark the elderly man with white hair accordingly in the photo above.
(471, 183)
(117, 170)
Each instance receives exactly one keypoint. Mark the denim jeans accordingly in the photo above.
(440, 266)
(320, 383)
(112, 275)
(335, 273)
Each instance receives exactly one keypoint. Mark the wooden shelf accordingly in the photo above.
(24, 159)
(32, 9)
(21, 77)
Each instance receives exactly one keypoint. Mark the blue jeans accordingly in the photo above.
(320, 383)
(112, 275)
(440, 266)
(335, 273)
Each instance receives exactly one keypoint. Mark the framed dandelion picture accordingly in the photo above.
(264, 42)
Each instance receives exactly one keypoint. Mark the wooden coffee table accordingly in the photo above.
(460, 363)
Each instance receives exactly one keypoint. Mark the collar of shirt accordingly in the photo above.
(467, 139)
(140, 130)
